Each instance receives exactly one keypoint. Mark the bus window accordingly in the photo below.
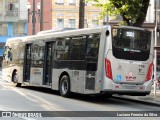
(93, 45)
(77, 48)
(92, 52)
(131, 44)
(37, 55)
(7, 54)
(62, 47)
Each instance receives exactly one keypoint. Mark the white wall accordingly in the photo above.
(150, 13)
(23, 15)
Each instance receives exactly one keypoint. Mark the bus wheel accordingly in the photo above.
(15, 79)
(65, 86)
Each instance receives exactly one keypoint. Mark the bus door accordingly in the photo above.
(27, 63)
(91, 59)
(47, 74)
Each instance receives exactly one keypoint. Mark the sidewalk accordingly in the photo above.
(149, 99)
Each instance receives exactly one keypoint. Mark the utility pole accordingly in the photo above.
(81, 13)
(33, 18)
(41, 16)
(155, 51)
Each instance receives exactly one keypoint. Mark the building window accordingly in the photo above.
(72, 23)
(18, 29)
(60, 23)
(85, 23)
(60, 2)
(1, 8)
(94, 23)
(3, 29)
(72, 2)
(11, 8)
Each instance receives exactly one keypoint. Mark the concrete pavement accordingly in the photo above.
(151, 99)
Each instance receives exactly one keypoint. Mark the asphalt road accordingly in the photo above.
(36, 99)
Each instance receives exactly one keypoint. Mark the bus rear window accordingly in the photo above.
(131, 44)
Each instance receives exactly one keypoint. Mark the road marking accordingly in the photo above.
(46, 104)
(2, 108)
(54, 106)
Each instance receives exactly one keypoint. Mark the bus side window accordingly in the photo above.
(93, 45)
(7, 55)
(66, 52)
(92, 52)
(77, 48)
(4, 53)
(61, 50)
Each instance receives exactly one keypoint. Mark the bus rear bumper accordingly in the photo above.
(129, 89)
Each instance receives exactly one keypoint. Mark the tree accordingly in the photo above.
(133, 12)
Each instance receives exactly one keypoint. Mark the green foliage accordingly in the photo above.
(133, 12)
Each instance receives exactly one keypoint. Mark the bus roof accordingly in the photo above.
(54, 30)
(131, 27)
(65, 33)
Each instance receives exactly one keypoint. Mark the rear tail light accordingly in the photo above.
(149, 74)
(108, 68)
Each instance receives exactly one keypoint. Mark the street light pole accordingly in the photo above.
(41, 16)
(33, 12)
(33, 19)
(155, 51)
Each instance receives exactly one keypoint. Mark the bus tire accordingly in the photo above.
(64, 86)
(15, 79)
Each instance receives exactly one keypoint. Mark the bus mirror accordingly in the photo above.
(107, 32)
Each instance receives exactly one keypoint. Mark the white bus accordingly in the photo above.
(104, 60)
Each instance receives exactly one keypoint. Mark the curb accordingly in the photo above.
(139, 100)
(157, 94)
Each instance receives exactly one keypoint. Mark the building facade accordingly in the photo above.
(65, 14)
(47, 16)
(13, 21)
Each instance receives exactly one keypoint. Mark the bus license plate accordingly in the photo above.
(130, 86)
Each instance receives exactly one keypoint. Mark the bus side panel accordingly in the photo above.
(76, 82)
(55, 79)
(7, 73)
(20, 74)
(100, 64)
(105, 45)
(13, 60)
(36, 76)
(56, 73)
